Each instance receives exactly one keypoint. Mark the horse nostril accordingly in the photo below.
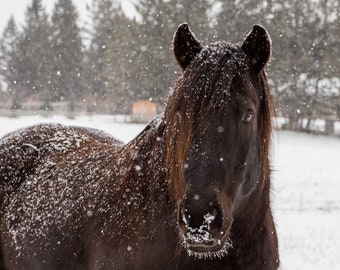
(214, 212)
(208, 218)
(211, 217)
(185, 216)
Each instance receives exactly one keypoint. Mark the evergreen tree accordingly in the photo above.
(196, 14)
(156, 68)
(33, 54)
(301, 48)
(67, 53)
(159, 21)
(237, 17)
(100, 34)
(8, 46)
(322, 62)
(123, 72)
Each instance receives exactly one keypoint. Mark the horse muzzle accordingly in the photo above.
(204, 228)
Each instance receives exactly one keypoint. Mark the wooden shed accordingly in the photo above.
(143, 111)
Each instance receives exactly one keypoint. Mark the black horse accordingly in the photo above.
(191, 191)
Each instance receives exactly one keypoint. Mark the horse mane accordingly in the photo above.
(141, 165)
(193, 100)
(267, 112)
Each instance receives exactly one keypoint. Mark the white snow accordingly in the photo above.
(306, 196)
(306, 189)
(208, 218)
(124, 132)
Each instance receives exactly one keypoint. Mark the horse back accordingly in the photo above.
(22, 149)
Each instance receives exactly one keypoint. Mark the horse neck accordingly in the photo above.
(142, 165)
(254, 224)
(256, 205)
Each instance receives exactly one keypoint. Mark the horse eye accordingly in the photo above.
(248, 116)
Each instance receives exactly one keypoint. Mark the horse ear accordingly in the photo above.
(257, 45)
(186, 45)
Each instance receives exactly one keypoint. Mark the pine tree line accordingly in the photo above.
(124, 60)
(45, 59)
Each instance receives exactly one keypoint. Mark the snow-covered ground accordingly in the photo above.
(306, 196)
(306, 189)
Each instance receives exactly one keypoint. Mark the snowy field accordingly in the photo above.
(306, 189)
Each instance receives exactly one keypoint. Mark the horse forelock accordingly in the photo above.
(202, 89)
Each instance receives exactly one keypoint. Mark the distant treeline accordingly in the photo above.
(113, 61)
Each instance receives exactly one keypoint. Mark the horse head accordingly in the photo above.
(218, 131)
